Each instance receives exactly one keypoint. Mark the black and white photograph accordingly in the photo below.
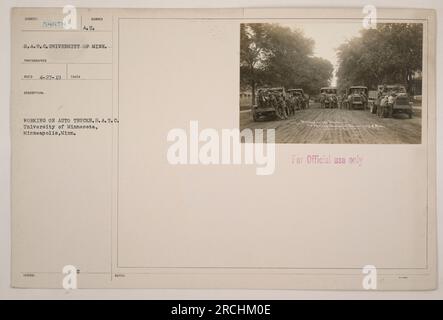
(333, 82)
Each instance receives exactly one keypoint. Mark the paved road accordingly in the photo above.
(316, 125)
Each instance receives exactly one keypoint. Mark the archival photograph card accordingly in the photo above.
(246, 148)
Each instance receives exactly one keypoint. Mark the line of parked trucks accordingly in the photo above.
(281, 104)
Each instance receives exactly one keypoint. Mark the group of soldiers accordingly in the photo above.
(386, 98)
(330, 99)
(285, 104)
(389, 93)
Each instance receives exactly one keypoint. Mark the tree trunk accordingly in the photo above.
(253, 92)
(252, 85)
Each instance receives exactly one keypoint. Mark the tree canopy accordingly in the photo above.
(390, 53)
(274, 55)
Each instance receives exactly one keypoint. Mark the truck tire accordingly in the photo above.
(254, 116)
(390, 112)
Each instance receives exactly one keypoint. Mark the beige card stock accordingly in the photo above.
(99, 98)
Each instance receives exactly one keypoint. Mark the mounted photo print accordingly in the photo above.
(246, 148)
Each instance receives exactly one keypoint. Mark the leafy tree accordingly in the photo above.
(318, 74)
(254, 52)
(391, 53)
(273, 55)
